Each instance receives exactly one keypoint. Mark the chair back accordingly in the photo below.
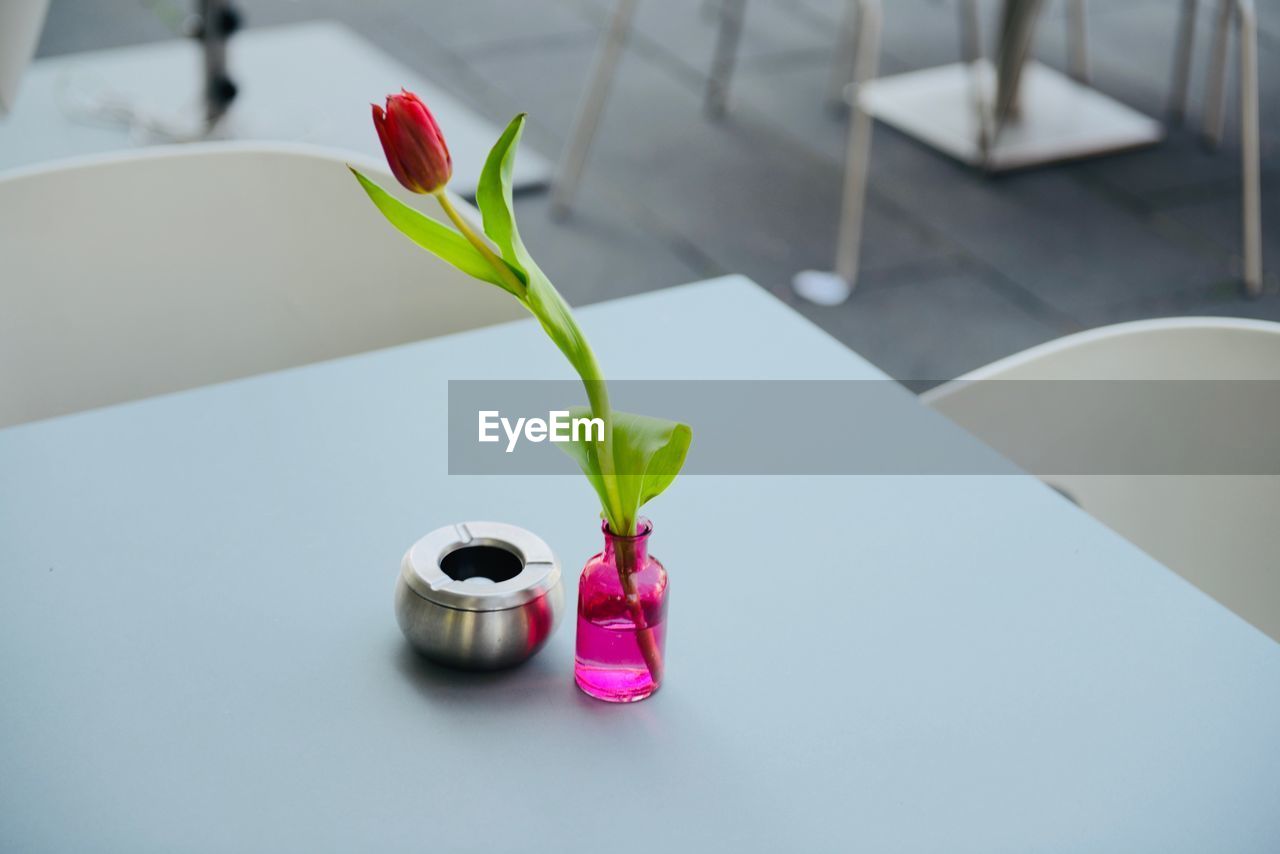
(1219, 531)
(133, 275)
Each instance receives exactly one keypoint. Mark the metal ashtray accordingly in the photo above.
(479, 595)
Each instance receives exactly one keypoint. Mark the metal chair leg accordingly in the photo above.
(1017, 33)
(717, 93)
(1182, 62)
(1077, 40)
(569, 172)
(970, 29)
(1216, 81)
(1013, 47)
(858, 157)
(825, 287)
(1246, 19)
(845, 55)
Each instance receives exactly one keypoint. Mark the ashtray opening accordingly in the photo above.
(481, 563)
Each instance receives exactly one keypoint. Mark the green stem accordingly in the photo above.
(625, 556)
(598, 397)
(502, 268)
(592, 378)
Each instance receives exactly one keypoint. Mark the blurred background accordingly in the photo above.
(958, 267)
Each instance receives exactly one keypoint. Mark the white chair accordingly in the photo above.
(859, 37)
(1219, 531)
(133, 275)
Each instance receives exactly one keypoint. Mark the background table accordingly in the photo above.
(197, 648)
(305, 83)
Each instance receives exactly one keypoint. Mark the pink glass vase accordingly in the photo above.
(622, 611)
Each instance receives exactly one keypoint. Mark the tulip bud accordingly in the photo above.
(413, 143)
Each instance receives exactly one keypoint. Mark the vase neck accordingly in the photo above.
(636, 547)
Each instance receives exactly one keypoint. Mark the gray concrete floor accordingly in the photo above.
(958, 269)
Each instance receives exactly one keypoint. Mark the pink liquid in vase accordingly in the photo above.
(622, 609)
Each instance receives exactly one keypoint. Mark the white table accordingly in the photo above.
(197, 648)
(310, 83)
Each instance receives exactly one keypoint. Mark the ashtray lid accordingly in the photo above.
(457, 566)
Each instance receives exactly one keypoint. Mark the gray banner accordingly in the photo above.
(1194, 427)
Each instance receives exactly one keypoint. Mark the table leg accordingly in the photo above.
(716, 97)
(1250, 146)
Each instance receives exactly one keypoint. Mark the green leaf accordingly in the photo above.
(584, 454)
(495, 199)
(642, 454)
(648, 454)
(433, 236)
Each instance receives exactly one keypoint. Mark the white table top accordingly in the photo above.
(198, 653)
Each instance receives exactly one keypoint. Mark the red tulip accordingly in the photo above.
(413, 143)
